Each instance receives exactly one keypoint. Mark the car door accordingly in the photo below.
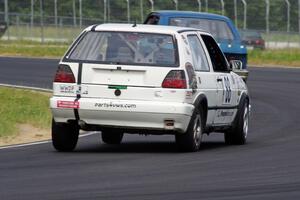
(226, 103)
(206, 84)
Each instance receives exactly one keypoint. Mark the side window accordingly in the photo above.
(198, 54)
(218, 60)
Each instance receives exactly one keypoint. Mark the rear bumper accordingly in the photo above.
(126, 114)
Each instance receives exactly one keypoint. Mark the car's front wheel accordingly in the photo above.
(64, 136)
(191, 140)
(112, 136)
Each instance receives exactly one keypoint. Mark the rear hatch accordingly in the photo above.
(140, 83)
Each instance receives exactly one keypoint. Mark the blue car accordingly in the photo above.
(219, 26)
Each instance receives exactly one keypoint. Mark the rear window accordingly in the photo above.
(130, 48)
(219, 29)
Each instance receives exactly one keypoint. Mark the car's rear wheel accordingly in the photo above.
(64, 136)
(238, 133)
(111, 136)
(191, 140)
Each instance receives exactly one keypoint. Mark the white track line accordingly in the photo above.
(24, 145)
(41, 142)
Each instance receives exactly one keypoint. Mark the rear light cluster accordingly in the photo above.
(259, 42)
(64, 74)
(175, 79)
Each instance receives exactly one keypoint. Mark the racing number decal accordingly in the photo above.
(226, 90)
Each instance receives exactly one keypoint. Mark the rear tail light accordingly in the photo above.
(259, 41)
(175, 79)
(64, 74)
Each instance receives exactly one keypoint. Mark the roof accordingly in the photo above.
(141, 28)
(190, 14)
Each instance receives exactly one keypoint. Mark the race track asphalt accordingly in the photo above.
(267, 167)
(27, 71)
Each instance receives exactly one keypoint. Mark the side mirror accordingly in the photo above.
(236, 65)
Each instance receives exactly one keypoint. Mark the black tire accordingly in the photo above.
(238, 134)
(191, 140)
(64, 136)
(111, 136)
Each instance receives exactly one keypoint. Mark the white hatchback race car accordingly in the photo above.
(121, 78)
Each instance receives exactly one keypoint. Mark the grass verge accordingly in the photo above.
(65, 33)
(32, 49)
(282, 57)
(23, 107)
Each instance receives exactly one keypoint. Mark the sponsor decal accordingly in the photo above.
(68, 104)
(73, 89)
(67, 89)
(114, 105)
(226, 90)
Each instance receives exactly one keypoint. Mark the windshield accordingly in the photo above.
(126, 48)
(219, 29)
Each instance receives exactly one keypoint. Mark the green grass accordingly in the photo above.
(284, 57)
(66, 33)
(32, 49)
(281, 37)
(23, 107)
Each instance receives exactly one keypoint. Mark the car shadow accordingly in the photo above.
(145, 147)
